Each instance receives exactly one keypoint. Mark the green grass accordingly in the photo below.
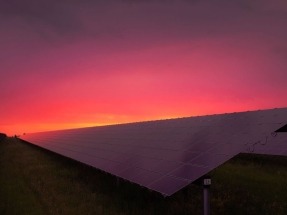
(35, 181)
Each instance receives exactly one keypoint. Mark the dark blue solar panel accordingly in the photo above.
(167, 155)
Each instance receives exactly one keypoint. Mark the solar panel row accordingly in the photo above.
(167, 155)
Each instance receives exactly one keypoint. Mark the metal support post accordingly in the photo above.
(206, 195)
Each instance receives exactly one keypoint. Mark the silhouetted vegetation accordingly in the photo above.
(2, 137)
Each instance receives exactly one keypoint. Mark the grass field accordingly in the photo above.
(35, 181)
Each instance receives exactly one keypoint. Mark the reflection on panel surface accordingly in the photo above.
(167, 155)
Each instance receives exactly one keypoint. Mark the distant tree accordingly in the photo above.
(2, 137)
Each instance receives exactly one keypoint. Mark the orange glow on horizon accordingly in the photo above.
(22, 128)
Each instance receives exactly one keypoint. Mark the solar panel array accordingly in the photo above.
(167, 155)
(274, 145)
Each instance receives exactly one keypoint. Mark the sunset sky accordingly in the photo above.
(78, 63)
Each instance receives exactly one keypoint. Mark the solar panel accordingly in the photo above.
(167, 155)
(282, 129)
(275, 145)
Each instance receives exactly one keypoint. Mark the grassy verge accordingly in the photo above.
(35, 181)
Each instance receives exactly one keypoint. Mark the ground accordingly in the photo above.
(36, 181)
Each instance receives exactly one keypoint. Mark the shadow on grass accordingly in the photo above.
(118, 196)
